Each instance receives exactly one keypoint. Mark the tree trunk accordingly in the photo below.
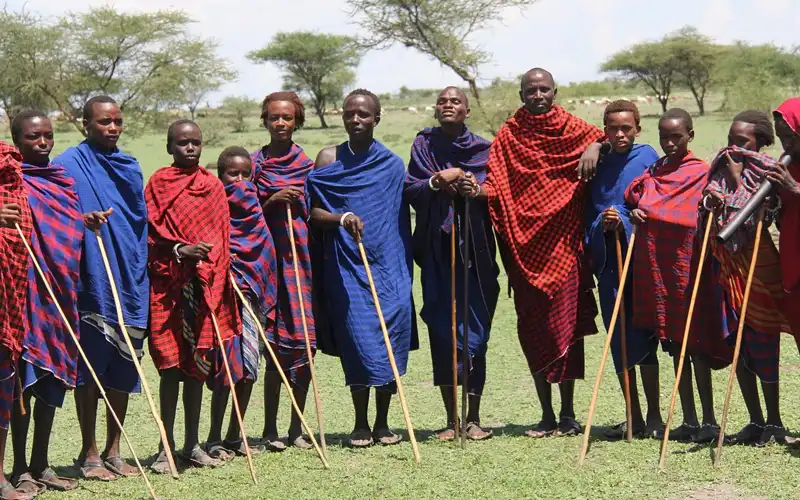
(321, 115)
(663, 100)
(192, 110)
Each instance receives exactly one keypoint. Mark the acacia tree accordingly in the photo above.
(440, 29)
(205, 73)
(318, 65)
(652, 63)
(697, 57)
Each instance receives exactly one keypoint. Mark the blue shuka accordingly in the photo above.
(615, 172)
(433, 152)
(106, 180)
(369, 184)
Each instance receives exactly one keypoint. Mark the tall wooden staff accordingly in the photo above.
(237, 409)
(274, 358)
(614, 315)
(395, 371)
(748, 285)
(690, 312)
(134, 357)
(85, 359)
(313, 370)
(465, 361)
(454, 323)
(626, 380)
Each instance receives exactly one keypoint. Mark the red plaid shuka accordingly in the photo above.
(535, 199)
(188, 206)
(14, 258)
(669, 193)
(536, 204)
(270, 175)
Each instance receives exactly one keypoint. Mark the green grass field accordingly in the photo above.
(507, 466)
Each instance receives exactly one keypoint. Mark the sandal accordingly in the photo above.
(26, 484)
(272, 443)
(54, 482)
(708, 433)
(542, 429)
(218, 451)
(199, 458)
(93, 471)
(655, 431)
(772, 434)
(620, 432)
(386, 437)
(477, 433)
(8, 492)
(361, 439)
(238, 447)
(301, 442)
(749, 434)
(567, 427)
(161, 465)
(685, 433)
(119, 466)
(446, 434)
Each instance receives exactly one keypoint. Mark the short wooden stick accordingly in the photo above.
(739, 334)
(682, 358)
(406, 416)
(606, 348)
(236, 408)
(135, 359)
(454, 323)
(465, 359)
(277, 364)
(85, 359)
(311, 362)
(626, 379)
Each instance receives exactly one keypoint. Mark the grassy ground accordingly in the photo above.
(508, 466)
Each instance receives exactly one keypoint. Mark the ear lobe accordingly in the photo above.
(469, 113)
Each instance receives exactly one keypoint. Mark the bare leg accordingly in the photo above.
(119, 402)
(300, 391)
(772, 400)
(244, 389)
(686, 393)
(13, 494)
(637, 419)
(192, 404)
(749, 388)
(86, 406)
(702, 375)
(652, 393)
(567, 391)
(169, 387)
(219, 403)
(19, 434)
(361, 407)
(545, 392)
(272, 396)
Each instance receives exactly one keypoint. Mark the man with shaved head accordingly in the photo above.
(536, 202)
(447, 165)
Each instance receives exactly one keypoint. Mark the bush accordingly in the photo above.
(238, 109)
(214, 131)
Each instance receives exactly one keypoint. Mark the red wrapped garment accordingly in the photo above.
(188, 206)
(14, 258)
(669, 192)
(536, 203)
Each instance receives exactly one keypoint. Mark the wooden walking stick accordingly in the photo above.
(317, 400)
(277, 364)
(134, 358)
(626, 380)
(679, 371)
(454, 323)
(614, 315)
(85, 359)
(389, 350)
(739, 334)
(465, 361)
(236, 408)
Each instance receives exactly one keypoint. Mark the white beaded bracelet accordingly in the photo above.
(430, 184)
(344, 216)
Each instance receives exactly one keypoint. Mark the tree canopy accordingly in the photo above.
(146, 61)
(319, 65)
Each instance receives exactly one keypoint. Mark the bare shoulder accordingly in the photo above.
(325, 157)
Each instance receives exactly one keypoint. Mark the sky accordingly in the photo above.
(571, 38)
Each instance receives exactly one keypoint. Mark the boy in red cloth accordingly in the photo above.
(14, 261)
(663, 203)
(536, 203)
(188, 262)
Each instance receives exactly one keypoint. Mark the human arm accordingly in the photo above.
(291, 194)
(587, 165)
(94, 220)
(782, 178)
(325, 220)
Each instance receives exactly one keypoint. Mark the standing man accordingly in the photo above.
(537, 202)
(447, 165)
(109, 180)
(356, 194)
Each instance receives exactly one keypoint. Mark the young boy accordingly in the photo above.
(606, 220)
(189, 262)
(48, 364)
(663, 203)
(253, 265)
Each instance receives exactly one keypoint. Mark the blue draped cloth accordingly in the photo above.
(106, 180)
(615, 172)
(369, 184)
(433, 152)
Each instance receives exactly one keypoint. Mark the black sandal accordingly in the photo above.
(567, 427)
(685, 433)
(707, 434)
(750, 434)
